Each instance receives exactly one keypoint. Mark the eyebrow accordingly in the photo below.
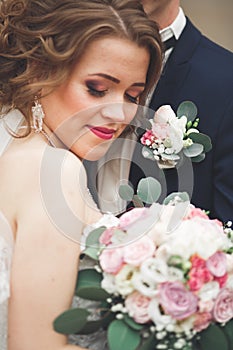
(115, 80)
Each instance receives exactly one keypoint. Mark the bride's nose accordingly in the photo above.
(115, 112)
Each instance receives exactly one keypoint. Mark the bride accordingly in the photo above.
(72, 74)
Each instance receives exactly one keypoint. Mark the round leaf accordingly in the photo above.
(213, 338)
(147, 153)
(188, 109)
(183, 197)
(93, 237)
(199, 158)
(71, 321)
(121, 336)
(194, 150)
(132, 324)
(228, 331)
(126, 192)
(149, 190)
(89, 285)
(149, 343)
(171, 156)
(202, 139)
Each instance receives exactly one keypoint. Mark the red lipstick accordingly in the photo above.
(101, 132)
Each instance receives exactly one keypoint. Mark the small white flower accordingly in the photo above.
(190, 131)
(187, 143)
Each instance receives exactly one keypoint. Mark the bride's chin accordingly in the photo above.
(92, 153)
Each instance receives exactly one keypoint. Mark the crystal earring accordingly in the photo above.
(37, 116)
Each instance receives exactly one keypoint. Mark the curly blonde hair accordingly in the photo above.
(41, 40)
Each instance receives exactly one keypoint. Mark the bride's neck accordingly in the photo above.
(51, 137)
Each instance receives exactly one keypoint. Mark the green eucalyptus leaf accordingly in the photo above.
(89, 285)
(93, 237)
(121, 336)
(92, 252)
(148, 343)
(187, 109)
(213, 338)
(183, 197)
(199, 158)
(202, 139)
(194, 150)
(126, 192)
(149, 190)
(228, 331)
(132, 324)
(170, 156)
(147, 153)
(71, 321)
(93, 326)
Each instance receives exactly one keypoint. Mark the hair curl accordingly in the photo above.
(41, 40)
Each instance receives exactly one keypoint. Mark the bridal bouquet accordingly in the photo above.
(170, 136)
(163, 278)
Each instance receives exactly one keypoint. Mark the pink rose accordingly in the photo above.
(111, 260)
(177, 301)
(223, 307)
(137, 307)
(196, 212)
(137, 252)
(106, 237)
(222, 280)
(217, 264)
(198, 274)
(131, 216)
(202, 321)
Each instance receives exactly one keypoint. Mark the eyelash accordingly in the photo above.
(96, 93)
(132, 99)
(101, 93)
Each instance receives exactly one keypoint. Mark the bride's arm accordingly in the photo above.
(45, 260)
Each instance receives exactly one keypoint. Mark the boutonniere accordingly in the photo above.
(169, 136)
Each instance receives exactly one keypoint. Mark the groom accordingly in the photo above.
(198, 70)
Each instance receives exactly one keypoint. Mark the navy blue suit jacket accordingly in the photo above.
(200, 71)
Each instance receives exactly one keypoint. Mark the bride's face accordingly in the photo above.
(99, 99)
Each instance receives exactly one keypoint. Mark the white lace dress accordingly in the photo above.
(6, 248)
(13, 120)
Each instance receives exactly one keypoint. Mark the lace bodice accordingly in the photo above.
(6, 247)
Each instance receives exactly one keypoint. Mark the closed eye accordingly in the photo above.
(96, 93)
(133, 99)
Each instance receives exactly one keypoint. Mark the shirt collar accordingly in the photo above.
(175, 28)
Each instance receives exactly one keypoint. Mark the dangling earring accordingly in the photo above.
(37, 116)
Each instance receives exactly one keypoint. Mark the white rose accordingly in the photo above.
(160, 320)
(197, 236)
(146, 287)
(123, 280)
(108, 283)
(164, 114)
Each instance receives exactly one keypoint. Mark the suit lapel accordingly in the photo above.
(176, 68)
